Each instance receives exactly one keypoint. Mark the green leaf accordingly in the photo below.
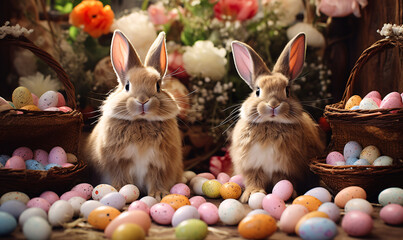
(73, 32)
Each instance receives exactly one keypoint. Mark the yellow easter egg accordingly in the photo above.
(370, 153)
(258, 226)
(308, 216)
(211, 188)
(353, 101)
(22, 97)
(310, 202)
(175, 200)
(101, 216)
(30, 108)
(230, 190)
(129, 231)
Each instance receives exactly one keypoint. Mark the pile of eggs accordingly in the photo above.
(22, 98)
(373, 100)
(354, 154)
(39, 159)
(122, 215)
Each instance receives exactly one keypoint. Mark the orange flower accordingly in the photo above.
(95, 18)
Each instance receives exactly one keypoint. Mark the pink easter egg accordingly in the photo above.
(24, 152)
(139, 205)
(357, 224)
(392, 95)
(391, 102)
(373, 94)
(222, 177)
(137, 217)
(57, 155)
(35, 99)
(40, 203)
(60, 100)
(65, 109)
(85, 189)
(283, 189)
(162, 213)
(238, 179)
(208, 213)
(181, 189)
(41, 156)
(50, 196)
(273, 205)
(15, 162)
(67, 195)
(334, 157)
(392, 214)
(67, 165)
(207, 175)
(196, 201)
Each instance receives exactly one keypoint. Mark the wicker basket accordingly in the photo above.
(41, 130)
(381, 127)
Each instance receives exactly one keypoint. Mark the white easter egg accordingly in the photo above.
(31, 212)
(37, 228)
(101, 190)
(87, 207)
(60, 212)
(130, 192)
(255, 200)
(76, 203)
(383, 161)
(231, 211)
(360, 205)
(47, 100)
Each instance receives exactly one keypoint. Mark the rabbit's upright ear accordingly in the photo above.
(248, 63)
(157, 55)
(123, 56)
(291, 60)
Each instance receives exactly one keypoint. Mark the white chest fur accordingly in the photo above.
(141, 162)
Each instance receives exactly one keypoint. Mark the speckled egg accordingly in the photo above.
(290, 217)
(57, 155)
(40, 203)
(20, 196)
(353, 101)
(101, 190)
(175, 200)
(88, 206)
(30, 212)
(360, 205)
(130, 192)
(349, 193)
(24, 152)
(47, 100)
(318, 228)
(259, 226)
(283, 189)
(162, 213)
(357, 223)
(60, 212)
(129, 231)
(320, 193)
(101, 216)
(368, 104)
(238, 179)
(21, 97)
(181, 189)
(273, 205)
(137, 217)
(334, 157)
(331, 209)
(71, 158)
(34, 165)
(49, 196)
(3, 159)
(208, 213)
(8, 223)
(310, 202)
(257, 211)
(370, 153)
(140, 205)
(352, 149)
(392, 214)
(361, 162)
(351, 160)
(307, 216)
(150, 201)
(255, 200)
(67, 195)
(391, 102)
(13, 207)
(41, 156)
(197, 185)
(15, 162)
(52, 165)
(222, 177)
(194, 229)
(373, 94)
(37, 228)
(196, 201)
(85, 190)
(184, 213)
(230, 190)
(76, 203)
(211, 188)
(231, 211)
(114, 199)
(391, 195)
(383, 161)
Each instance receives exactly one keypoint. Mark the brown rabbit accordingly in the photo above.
(274, 138)
(137, 139)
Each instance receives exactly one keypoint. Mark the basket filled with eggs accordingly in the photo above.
(39, 136)
(371, 127)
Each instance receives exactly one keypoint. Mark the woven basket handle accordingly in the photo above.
(367, 54)
(46, 57)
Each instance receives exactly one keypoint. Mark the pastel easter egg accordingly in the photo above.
(255, 200)
(101, 190)
(47, 100)
(392, 102)
(392, 95)
(31, 212)
(259, 226)
(197, 185)
(8, 223)
(67, 195)
(150, 201)
(41, 156)
(37, 228)
(290, 217)
(175, 200)
(231, 211)
(184, 213)
(352, 149)
(13, 207)
(353, 101)
(76, 203)
(355, 108)
(391, 195)
(21, 97)
(370, 153)
(114, 199)
(67, 165)
(283, 189)
(65, 109)
(310, 202)
(181, 189)
(334, 157)
(101, 216)
(30, 108)
(383, 161)
(15, 162)
(257, 211)
(140, 205)
(230, 190)
(87, 207)
(49, 196)
(318, 228)
(85, 189)
(189, 175)
(359, 205)
(130, 192)
(61, 101)
(373, 94)
(313, 214)
(273, 205)
(322, 194)
(392, 214)
(57, 155)
(191, 229)
(238, 179)
(222, 177)
(34, 165)
(19, 196)
(3, 159)
(52, 109)
(35, 99)
(211, 188)
(361, 162)
(39, 203)
(207, 175)
(351, 160)
(24, 152)
(368, 104)
(208, 213)
(128, 231)
(60, 212)
(357, 223)
(71, 158)
(196, 201)
(349, 193)
(162, 213)
(137, 217)
(331, 209)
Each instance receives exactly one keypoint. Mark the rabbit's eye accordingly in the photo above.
(287, 91)
(158, 87)
(258, 92)
(127, 86)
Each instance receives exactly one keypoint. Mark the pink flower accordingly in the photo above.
(341, 8)
(220, 164)
(159, 15)
(175, 66)
(235, 9)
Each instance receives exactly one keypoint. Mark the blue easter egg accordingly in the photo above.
(361, 162)
(13, 207)
(352, 149)
(34, 165)
(318, 228)
(355, 107)
(3, 159)
(8, 223)
(351, 160)
(51, 165)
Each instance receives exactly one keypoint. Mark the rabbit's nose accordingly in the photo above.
(273, 103)
(142, 100)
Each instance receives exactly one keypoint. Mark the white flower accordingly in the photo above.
(205, 60)
(39, 84)
(138, 29)
(389, 30)
(16, 30)
(286, 10)
(313, 37)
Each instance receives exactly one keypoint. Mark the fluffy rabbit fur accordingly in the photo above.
(274, 138)
(137, 139)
